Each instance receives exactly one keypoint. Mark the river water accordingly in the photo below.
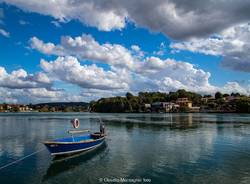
(140, 148)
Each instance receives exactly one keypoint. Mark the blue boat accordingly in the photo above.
(75, 144)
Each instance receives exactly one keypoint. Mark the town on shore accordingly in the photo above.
(147, 102)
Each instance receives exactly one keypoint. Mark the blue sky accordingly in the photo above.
(202, 66)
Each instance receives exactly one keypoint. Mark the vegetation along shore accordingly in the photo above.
(158, 102)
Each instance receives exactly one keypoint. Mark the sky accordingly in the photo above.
(73, 50)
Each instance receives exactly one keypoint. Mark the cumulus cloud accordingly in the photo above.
(176, 18)
(232, 44)
(179, 20)
(85, 47)
(19, 79)
(142, 73)
(153, 74)
(126, 70)
(37, 95)
(26, 88)
(90, 13)
(232, 87)
(145, 72)
(171, 75)
(69, 69)
(45, 48)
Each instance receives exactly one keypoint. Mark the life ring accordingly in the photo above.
(75, 122)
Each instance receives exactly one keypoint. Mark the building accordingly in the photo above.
(170, 106)
(164, 107)
(231, 98)
(184, 102)
(147, 106)
(14, 108)
(1, 107)
(8, 107)
(208, 99)
(23, 108)
(194, 109)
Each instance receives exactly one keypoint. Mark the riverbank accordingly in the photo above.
(146, 102)
(179, 101)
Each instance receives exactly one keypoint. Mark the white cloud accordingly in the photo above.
(46, 48)
(162, 50)
(233, 44)
(68, 69)
(171, 75)
(153, 74)
(121, 62)
(88, 12)
(138, 73)
(232, 87)
(127, 70)
(176, 18)
(37, 95)
(4, 33)
(23, 22)
(151, 65)
(136, 50)
(19, 79)
(85, 47)
(44, 93)
(56, 23)
(93, 94)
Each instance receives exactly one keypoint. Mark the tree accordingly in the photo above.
(207, 96)
(235, 94)
(218, 95)
(243, 106)
(44, 109)
(129, 95)
(182, 93)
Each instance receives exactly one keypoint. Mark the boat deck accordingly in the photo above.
(75, 139)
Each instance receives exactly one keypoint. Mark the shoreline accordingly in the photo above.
(203, 112)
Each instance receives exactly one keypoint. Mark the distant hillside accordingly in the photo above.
(61, 106)
(144, 100)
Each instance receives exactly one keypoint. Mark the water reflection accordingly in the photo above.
(172, 121)
(178, 148)
(62, 164)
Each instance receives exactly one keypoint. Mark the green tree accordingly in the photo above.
(225, 95)
(243, 106)
(218, 95)
(129, 95)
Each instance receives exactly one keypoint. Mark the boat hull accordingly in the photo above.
(64, 148)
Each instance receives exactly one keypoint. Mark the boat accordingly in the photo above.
(60, 164)
(76, 144)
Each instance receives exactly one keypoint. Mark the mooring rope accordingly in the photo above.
(19, 160)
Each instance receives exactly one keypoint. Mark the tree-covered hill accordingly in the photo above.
(234, 102)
